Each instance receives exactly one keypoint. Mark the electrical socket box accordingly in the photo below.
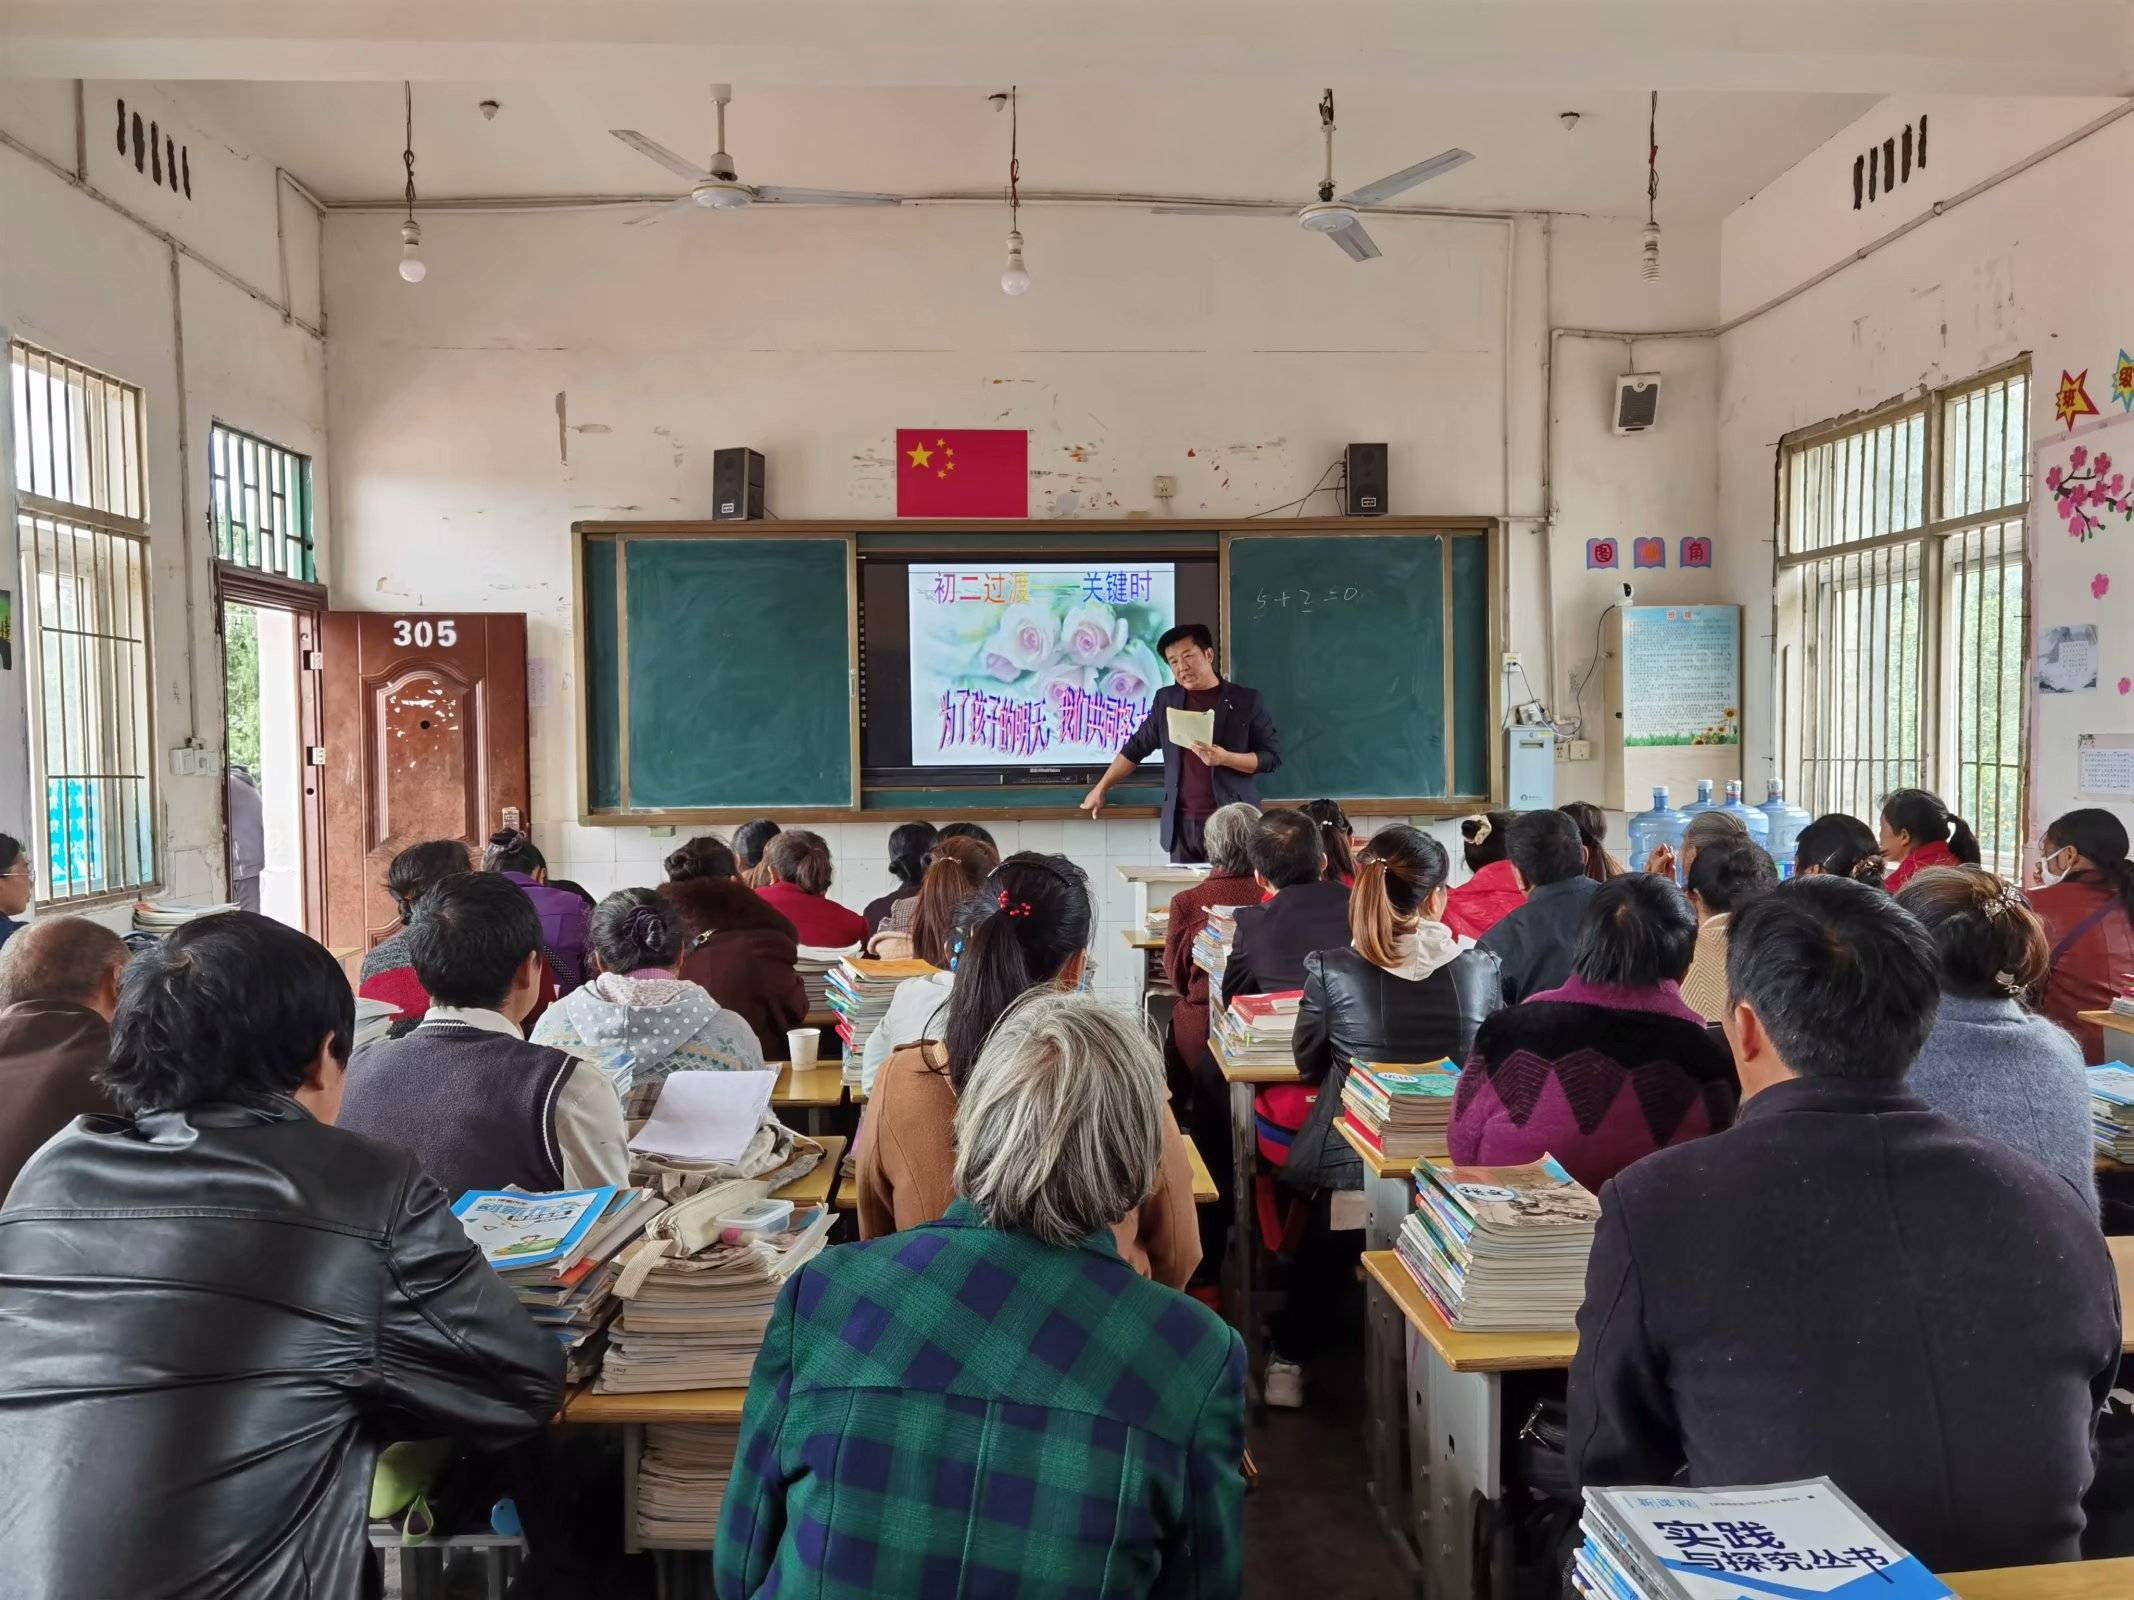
(1166, 487)
(1578, 750)
(1511, 661)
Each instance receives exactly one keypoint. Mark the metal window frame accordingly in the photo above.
(284, 477)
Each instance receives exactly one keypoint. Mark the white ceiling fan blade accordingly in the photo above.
(656, 151)
(1355, 243)
(779, 195)
(1221, 211)
(662, 213)
(1392, 184)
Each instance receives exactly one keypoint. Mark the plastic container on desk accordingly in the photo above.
(1755, 821)
(1661, 825)
(1787, 821)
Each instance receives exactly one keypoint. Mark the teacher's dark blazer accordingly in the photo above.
(1241, 724)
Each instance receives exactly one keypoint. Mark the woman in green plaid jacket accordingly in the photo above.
(995, 1404)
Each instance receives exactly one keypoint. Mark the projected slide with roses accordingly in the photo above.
(1048, 664)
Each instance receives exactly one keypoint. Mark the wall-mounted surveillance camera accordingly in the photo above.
(1629, 592)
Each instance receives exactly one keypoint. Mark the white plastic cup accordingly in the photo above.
(802, 1047)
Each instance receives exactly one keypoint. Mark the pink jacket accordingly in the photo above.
(1484, 900)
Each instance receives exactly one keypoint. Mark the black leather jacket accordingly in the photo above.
(1353, 1009)
(209, 1320)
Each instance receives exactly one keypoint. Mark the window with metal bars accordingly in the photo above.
(259, 499)
(81, 517)
(1901, 620)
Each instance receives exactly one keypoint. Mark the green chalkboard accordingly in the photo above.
(737, 673)
(1378, 690)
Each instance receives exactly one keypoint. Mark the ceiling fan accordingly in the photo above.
(717, 187)
(1341, 220)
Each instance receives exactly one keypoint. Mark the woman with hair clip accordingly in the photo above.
(1919, 832)
(919, 1005)
(2004, 1072)
(910, 847)
(2087, 906)
(1338, 837)
(564, 917)
(1593, 838)
(1028, 927)
(1404, 991)
(894, 940)
(1493, 891)
(1840, 846)
(635, 1019)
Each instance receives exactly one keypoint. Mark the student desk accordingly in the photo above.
(1455, 1424)
(2122, 1248)
(814, 1092)
(2119, 1028)
(1387, 1184)
(1204, 1191)
(1153, 887)
(2070, 1580)
(1238, 1273)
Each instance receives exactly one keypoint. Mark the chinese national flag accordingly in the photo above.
(963, 472)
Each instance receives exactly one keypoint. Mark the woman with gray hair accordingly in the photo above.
(1014, 1372)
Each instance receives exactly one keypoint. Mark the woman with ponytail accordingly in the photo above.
(1492, 891)
(1592, 823)
(636, 1019)
(2087, 906)
(1919, 832)
(1337, 837)
(1028, 928)
(564, 916)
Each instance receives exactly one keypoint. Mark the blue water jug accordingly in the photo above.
(1787, 821)
(1704, 800)
(1755, 821)
(1661, 825)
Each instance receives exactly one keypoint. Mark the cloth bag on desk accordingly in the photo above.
(776, 1156)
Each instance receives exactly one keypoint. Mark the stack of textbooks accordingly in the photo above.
(860, 991)
(696, 1301)
(1211, 946)
(2112, 1110)
(814, 964)
(1401, 1112)
(1500, 1249)
(1796, 1539)
(682, 1475)
(1255, 1030)
(162, 916)
(560, 1255)
(1157, 923)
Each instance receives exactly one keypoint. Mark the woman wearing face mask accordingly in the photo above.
(2087, 906)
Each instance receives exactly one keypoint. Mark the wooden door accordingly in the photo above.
(425, 739)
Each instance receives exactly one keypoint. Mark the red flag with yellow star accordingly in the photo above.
(963, 472)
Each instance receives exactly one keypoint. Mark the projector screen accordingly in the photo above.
(1044, 664)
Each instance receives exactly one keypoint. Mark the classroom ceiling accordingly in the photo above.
(1248, 141)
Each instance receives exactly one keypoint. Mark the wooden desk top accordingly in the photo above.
(819, 1086)
(1164, 872)
(819, 1185)
(825, 1020)
(1467, 1352)
(1287, 1074)
(2107, 1019)
(1376, 1165)
(2071, 1580)
(1141, 939)
(1204, 1192)
(672, 1405)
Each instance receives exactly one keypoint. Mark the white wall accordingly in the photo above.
(2033, 265)
(80, 278)
(1236, 354)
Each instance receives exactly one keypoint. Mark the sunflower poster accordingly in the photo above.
(1681, 675)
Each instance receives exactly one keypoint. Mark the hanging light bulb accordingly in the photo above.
(412, 267)
(1016, 279)
(1652, 192)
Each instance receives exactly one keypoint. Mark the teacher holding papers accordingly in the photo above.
(1216, 737)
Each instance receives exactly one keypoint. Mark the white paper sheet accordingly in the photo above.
(706, 1116)
(2104, 765)
(1191, 727)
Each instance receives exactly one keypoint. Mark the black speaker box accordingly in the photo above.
(1366, 489)
(736, 485)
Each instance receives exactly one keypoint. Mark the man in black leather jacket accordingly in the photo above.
(218, 1306)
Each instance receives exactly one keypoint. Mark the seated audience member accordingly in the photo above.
(1491, 892)
(969, 830)
(1723, 878)
(1999, 1069)
(1336, 837)
(1625, 1066)
(219, 1305)
(974, 857)
(1919, 832)
(564, 915)
(1028, 928)
(18, 882)
(1706, 827)
(1024, 1412)
(1839, 846)
(918, 1006)
(750, 841)
(388, 973)
(1228, 838)
(480, 1106)
(735, 945)
(59, 979)
(799, 891)
(636, 1020)
(1534, 943)
(1592, 823)
(2087, 906)
(1846, 1282)
(909, 845)
(1404, 990)
(1309, 911)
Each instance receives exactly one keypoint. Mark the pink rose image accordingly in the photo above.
(2100, 586)
(1093, 634)
(1059, 680)
(1134, 675)
(997, 663)
(1026, 636)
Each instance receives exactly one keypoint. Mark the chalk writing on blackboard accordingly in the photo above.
(1305, 600)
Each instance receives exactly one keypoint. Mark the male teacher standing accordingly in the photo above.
(1201, 776)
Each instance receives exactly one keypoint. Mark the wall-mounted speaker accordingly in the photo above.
(736, 485)
(1365, 490)
(1637, 401)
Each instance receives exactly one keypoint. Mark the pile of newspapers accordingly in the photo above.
(682, 1475)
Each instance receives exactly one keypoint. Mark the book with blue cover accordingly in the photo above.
(516, 1230)
(2112, 1110)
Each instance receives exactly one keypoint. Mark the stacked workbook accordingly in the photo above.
(1402, 1112)
(860, 992)
(1500, 1249)
(1211, 946)
(1255, 1030)
(161, 916)
(815, 964)
(1720, 1544)
(696, 1300)
(2112, 1110)
(681, 1482)
(560, 1255)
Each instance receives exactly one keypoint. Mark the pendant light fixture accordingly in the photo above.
(1015, 277)
(1652, 190)
(411, 263)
